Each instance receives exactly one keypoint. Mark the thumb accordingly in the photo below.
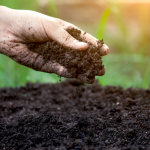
(67, 40)
(61, 36)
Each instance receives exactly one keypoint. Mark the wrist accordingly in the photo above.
(4, 26)
(4, 10)
(5, 14)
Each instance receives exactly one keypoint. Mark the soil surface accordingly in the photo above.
(74, 116)
(87, 63)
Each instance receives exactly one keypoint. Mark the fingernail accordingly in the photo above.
(104, 50)
(81, 43)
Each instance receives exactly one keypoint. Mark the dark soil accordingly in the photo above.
(74, 116)
(87, 62)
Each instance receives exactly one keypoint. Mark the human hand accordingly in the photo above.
(20, 27)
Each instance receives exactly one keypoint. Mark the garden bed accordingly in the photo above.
(72, 115)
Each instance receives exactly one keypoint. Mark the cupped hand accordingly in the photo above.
(20, 27)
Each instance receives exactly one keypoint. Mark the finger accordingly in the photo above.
(101, 72)
(38, 63)
(58, 69)
(60, 35)
(51, 67)
(84, 35)
(104, 50)
(85, 79)
(22, 55)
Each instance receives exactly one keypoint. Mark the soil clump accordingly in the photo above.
(87, 62)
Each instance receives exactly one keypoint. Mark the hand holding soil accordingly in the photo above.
(32, 39)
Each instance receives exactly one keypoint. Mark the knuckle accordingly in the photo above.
(46, 68)
(38, 63)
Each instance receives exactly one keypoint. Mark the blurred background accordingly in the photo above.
(123, 24)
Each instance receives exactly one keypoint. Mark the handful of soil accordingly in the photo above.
(87, 62)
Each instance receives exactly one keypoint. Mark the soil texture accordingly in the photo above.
(87, 63)
(74, 116)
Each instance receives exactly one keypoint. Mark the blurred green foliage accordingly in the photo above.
(52, 9)
(20, 4)
(13, 74)
(127, 68)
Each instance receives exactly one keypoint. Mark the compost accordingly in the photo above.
(74, 116)
(87, 63)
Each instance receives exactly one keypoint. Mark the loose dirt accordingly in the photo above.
(87, 63)
(74, 116)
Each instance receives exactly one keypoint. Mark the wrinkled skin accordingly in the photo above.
(19, 27)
